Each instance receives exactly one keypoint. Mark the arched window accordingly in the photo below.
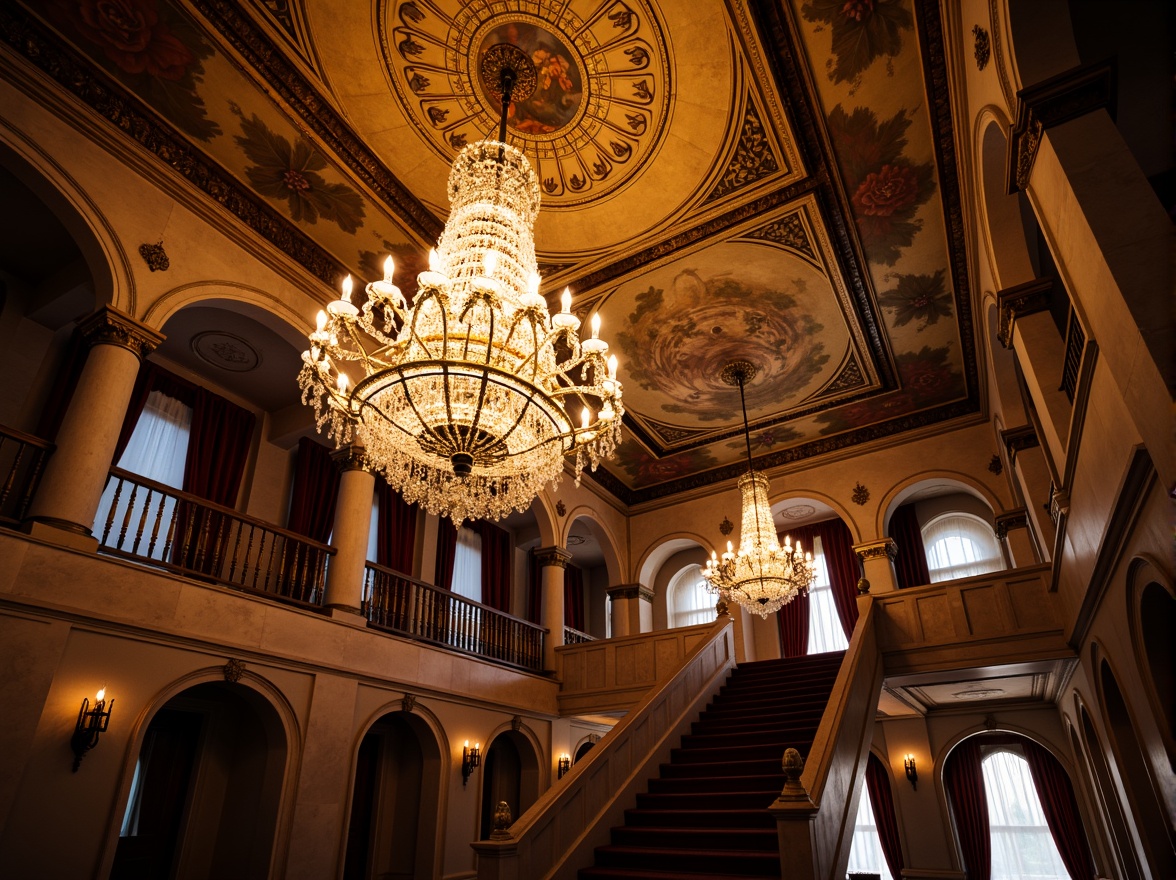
(1022, 847)
(825, 630)
(960, 545)
(865, 853)
(690, 602)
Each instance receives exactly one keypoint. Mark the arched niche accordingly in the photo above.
(512, 772)
(1152, 612)
(394, 817)
(975, 496)
(1002, 220)
(595, 557)
(206, 788)
(1123, 842)
(803, 507)
(656, 555)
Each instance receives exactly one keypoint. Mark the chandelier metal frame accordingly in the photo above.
(762, 576)
(463, 398)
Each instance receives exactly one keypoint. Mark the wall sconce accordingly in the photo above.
(564, 765)
(91, 724)
(470, 758)
(912, 773)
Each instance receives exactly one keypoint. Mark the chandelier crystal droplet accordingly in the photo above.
(468, 399)
(762, 576)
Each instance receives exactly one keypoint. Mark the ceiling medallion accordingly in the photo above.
(226, 351)
(798, 511)
(468, 399)
(602, 85)
(762, 576)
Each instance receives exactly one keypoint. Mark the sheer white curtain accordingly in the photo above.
(157, 450)
(825, 632)
(467, 565)
(960, 545)
(865, 852)
(1022, 847)
(690, 602)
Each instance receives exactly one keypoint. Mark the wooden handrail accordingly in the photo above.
(573, 636)
(186, 534)
(399, 603)
(20, 471)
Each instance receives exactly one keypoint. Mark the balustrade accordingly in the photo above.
(22, 460)
(575, 636)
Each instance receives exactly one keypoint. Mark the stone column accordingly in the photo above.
(1016, 541)
(877, 566)
(76, 473)
(353, 518)
(553, 561)
(632, 609)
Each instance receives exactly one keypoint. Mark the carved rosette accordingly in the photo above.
(233, 670)
(109, 326)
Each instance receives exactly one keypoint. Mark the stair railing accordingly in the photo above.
(557, 836)
(815, 814)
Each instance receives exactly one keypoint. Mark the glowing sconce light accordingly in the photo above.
(912, 773)
(470, 759)
(564, 765)
(91, 724)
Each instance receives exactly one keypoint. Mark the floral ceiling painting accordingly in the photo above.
(773, 182)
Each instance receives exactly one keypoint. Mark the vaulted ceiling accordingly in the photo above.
(768, 181)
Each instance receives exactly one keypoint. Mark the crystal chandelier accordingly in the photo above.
(468, 399)
(762, 576)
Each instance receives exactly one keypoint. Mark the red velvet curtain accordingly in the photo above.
(497, 550)
(153, 377)
(315, 491)
(534, 588)
(842, 562)
(395, 529)
(218, 448)
(574, 597)
(882, 803)
(964, 781)
(1060, 808)
(793, 621)
(446, 553)
(911, 563)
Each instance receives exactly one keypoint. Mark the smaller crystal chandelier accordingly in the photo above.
(468, 399)
(762, 576)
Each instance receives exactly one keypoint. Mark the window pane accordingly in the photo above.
(467, 565)
(690, 602)
(865, 854)
(960, 545)
(825, 632)
(1022, 847)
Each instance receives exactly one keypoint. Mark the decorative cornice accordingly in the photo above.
(316, 112)
(630, 591)
(1016, 439)
(1011, 519)
(556, 556)
(350, 458)
(1051, 102)
(884, 548)
(110, 101)
(108, 326)
(1020, 301)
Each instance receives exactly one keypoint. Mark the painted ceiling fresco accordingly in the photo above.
(767, 181)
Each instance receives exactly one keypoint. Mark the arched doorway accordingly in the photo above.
(207, 787)
(510, 773)
(393, 827)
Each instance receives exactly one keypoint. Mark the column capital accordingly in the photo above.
(1021, 301)
(1011, 519)
(554, 556)
(350, 458)
(630, 591)
(109, 326)
(884, 548)
(1017, 439)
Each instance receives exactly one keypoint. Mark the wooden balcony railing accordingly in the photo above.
(576, 637)
(22, 459)
(146, 521)
(398, 603)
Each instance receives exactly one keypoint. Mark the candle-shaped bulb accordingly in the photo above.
(612, 366)
(533, 283)
(389, 269)
(478, 746)
(566, 301)
(320, 320)
(101, 694)
(729, 547)
(342, 382)
(489, 262)
(585, 418)
(347, 285)
(435, 266)
(596, 326)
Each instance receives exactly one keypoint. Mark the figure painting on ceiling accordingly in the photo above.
(556, 99)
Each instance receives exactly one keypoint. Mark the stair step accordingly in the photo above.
(757, 738)
(761, 767)
(716, 784)
(638, 874)
(759, 752)
(697, 818)
(737, 800)
(743, 725)
(696, 838)
(694, 860)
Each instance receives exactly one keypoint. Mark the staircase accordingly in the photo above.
(705, 817)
